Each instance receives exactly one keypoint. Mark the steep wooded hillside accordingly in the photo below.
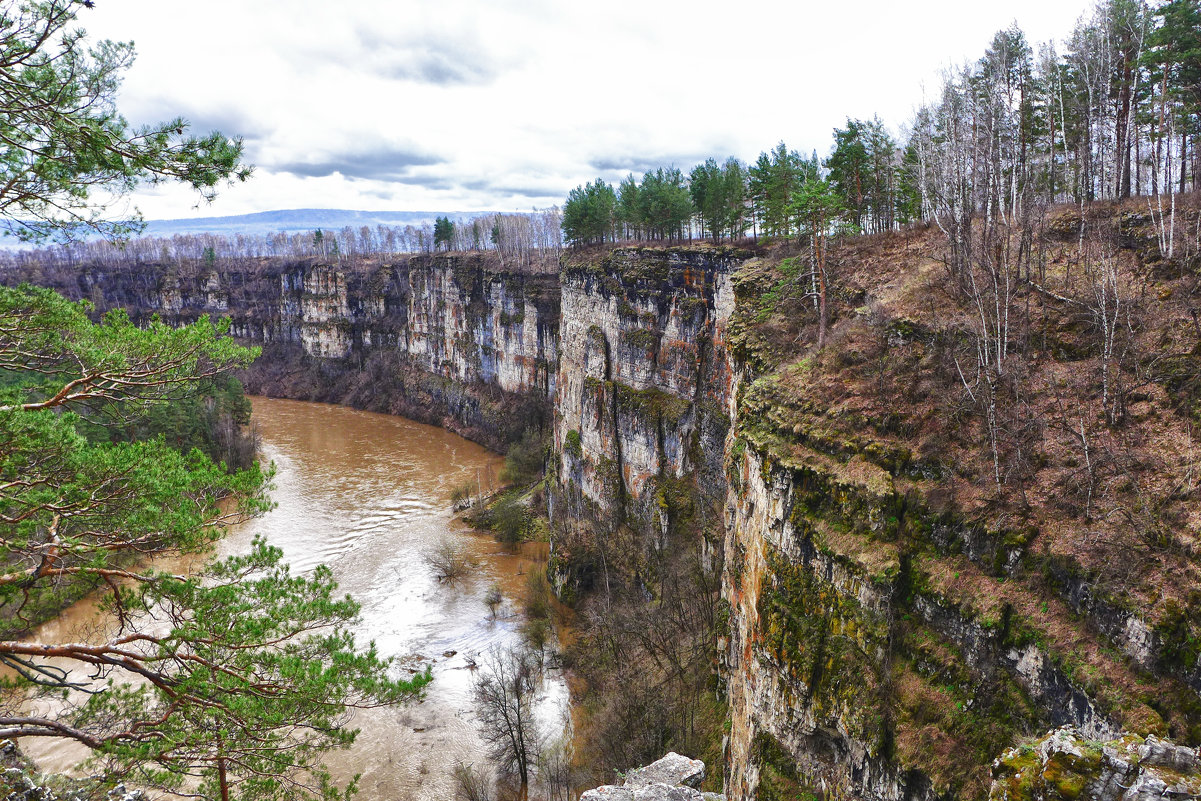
(970, 516)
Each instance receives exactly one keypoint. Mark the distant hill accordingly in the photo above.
(269, 222)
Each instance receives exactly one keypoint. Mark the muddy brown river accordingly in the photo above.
(369, 495)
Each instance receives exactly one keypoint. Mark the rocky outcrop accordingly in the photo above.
(643, 376)
(672, 778)
(21, 781)
(834, 655)
(445, 340)
(1067, 766)
(642, 402)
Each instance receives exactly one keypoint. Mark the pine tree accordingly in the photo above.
(234, 681)
(588, 214)
(444, 232)
(65, 142)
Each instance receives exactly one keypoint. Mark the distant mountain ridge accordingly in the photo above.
(269, 222)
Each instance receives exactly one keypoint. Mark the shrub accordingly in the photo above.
(509, 520)
(492, 598)
(462, 493)
(525, 460)
(537, 596)
(536, 633)
(472, 783)
(449, 561)
(571, 444)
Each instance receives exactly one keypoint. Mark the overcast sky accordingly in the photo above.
(464, 105)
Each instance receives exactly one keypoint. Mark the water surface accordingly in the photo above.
(368, 494)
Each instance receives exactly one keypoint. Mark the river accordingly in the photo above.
(369, 495)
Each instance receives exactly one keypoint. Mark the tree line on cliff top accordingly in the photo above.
(1118, 113)
(519, 242)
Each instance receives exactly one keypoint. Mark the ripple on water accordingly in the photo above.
(372, 503)
(368, 495)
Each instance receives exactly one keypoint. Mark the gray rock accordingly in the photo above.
(663, 792)
(1126, 769)
(672, 778)
(672, 770)
(644, 792)
(1164, 754)
(608, 792)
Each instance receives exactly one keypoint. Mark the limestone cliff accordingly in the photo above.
(452, 340)
(642, 400)
(882, 642)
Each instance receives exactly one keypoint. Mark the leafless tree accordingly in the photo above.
(448, 561)
(472, 783)
(505, 695)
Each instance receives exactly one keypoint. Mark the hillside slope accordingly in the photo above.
(971, 516)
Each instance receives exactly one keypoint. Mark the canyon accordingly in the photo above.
(876, 642)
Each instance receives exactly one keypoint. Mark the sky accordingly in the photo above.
(474, 105)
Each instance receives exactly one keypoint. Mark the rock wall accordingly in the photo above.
(642, 403)
(848, 670)
(450, 340)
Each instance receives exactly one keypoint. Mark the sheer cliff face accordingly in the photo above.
(643, 384)
(444, 339)
(446, 316)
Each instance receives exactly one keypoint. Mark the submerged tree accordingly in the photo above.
(505, 695)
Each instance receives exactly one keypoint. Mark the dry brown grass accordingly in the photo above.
(1124, 518)
(1141, 522)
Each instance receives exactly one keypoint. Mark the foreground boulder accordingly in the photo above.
(1065, 765)
(672, 778)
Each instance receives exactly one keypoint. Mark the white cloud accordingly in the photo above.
(466, 104)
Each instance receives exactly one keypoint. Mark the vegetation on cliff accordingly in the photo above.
(1050, 510)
